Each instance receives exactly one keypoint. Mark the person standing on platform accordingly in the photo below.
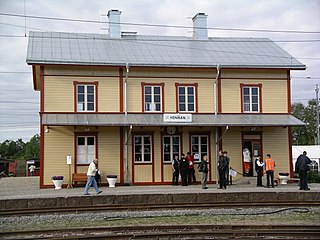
(31, 169)
(270, 164)
(227, 168)
(303, 168)
(191, 172)
(222, 165)
(184, 167)
(246, 161)
(91, 173)
(259, 169)
(203, 168)
(175, 170)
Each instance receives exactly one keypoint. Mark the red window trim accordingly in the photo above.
(195, 85)
(143, 84)
(259, 86)
(75, 84)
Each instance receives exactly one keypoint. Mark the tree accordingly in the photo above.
(32, 149)
(306, 135)
(16, 150)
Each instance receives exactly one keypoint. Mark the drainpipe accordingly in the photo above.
(126, 165)
(127, 134)
(215, 113)
(125, 90)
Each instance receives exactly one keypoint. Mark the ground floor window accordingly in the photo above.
(142, 149)
(171, 147)
(86, 149)
(199, 146)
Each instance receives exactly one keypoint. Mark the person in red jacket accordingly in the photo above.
(191, 172)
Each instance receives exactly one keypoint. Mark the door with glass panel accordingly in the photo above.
(171, 146)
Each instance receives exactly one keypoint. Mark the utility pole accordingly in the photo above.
(317, 112)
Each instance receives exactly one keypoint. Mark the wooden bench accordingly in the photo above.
(79, 177)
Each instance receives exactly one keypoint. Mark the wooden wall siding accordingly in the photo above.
(142, 173)
(81, 71)
(172, 72)
(167, 173)
(252, 73)
(109, 152)
(231, 142)
(58, 143)
(59, 93)
(274, 95)
(275, 142)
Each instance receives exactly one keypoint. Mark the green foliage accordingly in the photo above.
(314, 177)
(20, 150)
(306, 135)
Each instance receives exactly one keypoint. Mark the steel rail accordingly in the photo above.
(125, 207)
(174, 232)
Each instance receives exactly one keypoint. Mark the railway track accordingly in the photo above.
(126, 207)
(174, 232)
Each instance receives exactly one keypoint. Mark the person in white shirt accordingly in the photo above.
(32, 168)
(92, 169)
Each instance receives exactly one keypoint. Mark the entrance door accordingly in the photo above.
(251, 145)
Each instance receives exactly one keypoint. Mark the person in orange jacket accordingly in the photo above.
(270, 164)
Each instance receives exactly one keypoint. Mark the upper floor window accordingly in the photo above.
(152, 99)
(186, 98)
(251, 96)
(86, 97)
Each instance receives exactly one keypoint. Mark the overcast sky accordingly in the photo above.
(19, 103)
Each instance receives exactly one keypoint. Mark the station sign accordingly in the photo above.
(177, 118)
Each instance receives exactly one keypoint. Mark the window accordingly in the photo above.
(314, 166)
(186, 99)
(171, 147)
(199, 146)
(86, 149)
(250, 98)
(86, 98)
(152, 99)
(142, 149)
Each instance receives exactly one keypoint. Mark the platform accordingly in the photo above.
(24, 193)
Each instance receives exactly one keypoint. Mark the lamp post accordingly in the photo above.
(317, 112)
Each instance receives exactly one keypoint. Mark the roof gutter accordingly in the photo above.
(215, 90)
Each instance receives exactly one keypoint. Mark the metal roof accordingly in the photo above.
(166, 51)
(99, 119)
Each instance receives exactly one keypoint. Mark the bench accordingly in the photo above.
(79, 177)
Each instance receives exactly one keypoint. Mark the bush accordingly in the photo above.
(314, 177)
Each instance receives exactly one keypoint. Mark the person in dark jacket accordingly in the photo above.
(184, 167)
(203, 168)
(303, 168)
(175, 170)
(222, 167)
(259, 169)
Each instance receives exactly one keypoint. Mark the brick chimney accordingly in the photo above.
(200, 31)
(114, 23)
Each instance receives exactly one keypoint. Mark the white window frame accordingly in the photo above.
(143, 148)
(186, 103)
(251, 103)
(83, 106)
(199, 146)
(152, 104)
(172, 153)
(85, 153)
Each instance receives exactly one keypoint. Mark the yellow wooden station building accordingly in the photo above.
(133, 101)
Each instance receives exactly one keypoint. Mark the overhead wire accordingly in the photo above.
(159, 25)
